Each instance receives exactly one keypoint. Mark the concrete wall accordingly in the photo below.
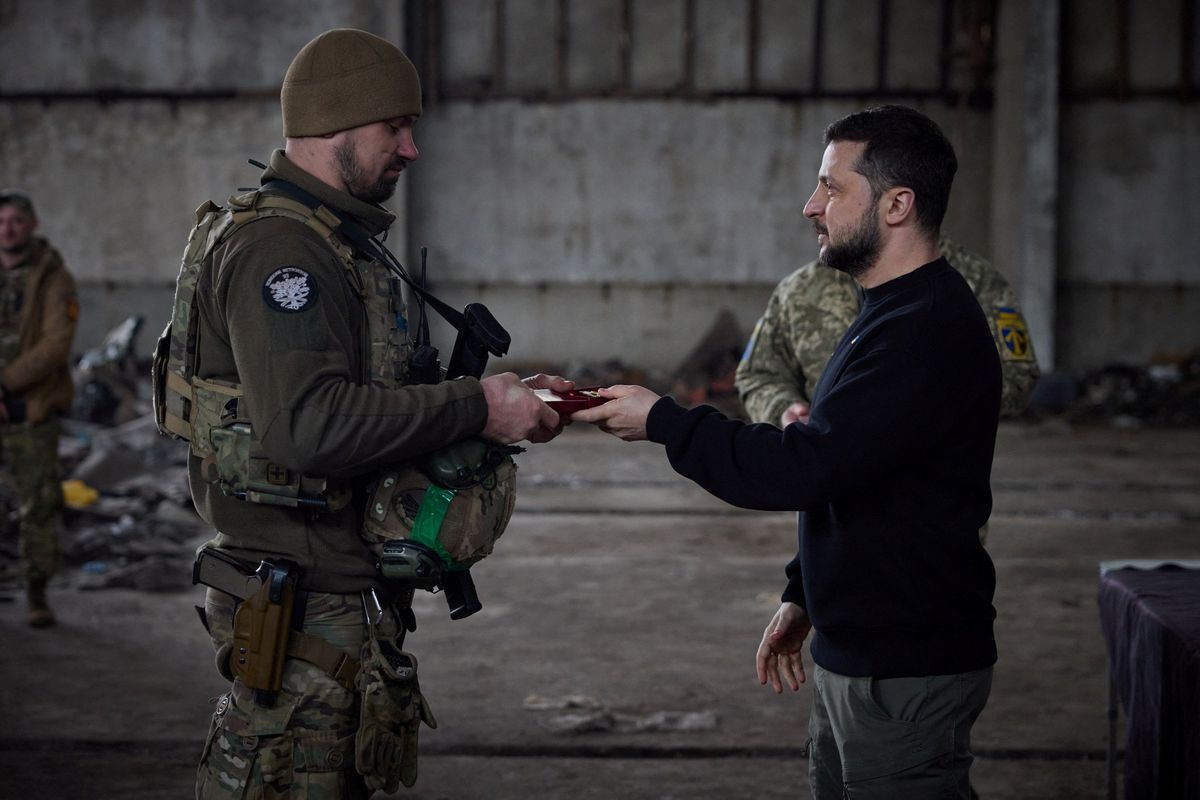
(1129, 245)
(683, 209)
(192, 93)
(619, 222)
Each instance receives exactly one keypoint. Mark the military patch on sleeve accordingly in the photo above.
(289, 289)
(1013, 334)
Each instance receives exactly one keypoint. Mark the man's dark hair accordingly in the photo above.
(903, 148)
(11, 197)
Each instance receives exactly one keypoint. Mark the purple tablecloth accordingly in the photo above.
(1151, 621)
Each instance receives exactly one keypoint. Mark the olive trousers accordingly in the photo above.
(29, 458)
(878, 739)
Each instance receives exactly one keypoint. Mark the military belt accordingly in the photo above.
(219, 570)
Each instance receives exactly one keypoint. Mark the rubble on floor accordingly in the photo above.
(579, 714)
(141, 530)
(1163, 393)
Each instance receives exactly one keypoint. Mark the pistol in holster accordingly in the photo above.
(261, 627)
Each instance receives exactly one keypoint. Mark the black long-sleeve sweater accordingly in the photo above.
(890, 476)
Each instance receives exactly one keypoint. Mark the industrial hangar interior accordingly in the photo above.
(623, 184)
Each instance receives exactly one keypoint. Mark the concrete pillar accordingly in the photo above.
(1025, 163)
(1039, 224)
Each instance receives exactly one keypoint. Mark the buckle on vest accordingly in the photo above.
(277, 475)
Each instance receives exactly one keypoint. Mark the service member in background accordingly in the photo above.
(38, 312)
(288, 373)
(891, 476)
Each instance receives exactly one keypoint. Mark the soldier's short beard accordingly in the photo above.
(357, 183)
(859, 252)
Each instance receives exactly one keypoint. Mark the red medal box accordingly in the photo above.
(570, 402)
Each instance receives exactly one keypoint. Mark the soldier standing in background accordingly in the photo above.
(286, 366)
(812, 308)
(38, 312)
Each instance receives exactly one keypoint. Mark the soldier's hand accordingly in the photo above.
(515, 413)
(624, 415)
(796, 412)
(554, 383)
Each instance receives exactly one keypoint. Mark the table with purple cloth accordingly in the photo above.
(1151, 622)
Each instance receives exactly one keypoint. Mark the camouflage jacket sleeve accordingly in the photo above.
(806, 317)
(304, 371)
(999, 302)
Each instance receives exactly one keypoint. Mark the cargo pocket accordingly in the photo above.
(245, 754)
(227, 760)
(323, 765)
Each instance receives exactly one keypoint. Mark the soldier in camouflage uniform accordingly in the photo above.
(38, 312)
(290, 340)
(810, 310)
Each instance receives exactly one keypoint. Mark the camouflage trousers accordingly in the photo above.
(302, 747)
(29, 457)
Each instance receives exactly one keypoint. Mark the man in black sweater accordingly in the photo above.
(890, 476)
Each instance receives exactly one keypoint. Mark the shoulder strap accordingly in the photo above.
(358, 237)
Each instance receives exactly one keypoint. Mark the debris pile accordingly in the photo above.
(108, 378)
(137, 529)
(579, 714)
(706, 374)
(1164, 393)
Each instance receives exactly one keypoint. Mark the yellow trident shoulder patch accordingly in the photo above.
(1013, 335)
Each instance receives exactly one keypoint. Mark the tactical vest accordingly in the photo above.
(209, 414)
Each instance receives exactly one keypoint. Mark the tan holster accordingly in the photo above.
(260, 631)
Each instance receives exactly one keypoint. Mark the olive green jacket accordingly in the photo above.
(40, 370)
(305, 375)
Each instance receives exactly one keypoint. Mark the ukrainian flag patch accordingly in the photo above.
(1013, 334)
(753, 339)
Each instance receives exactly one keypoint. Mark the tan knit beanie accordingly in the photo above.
(345, 78)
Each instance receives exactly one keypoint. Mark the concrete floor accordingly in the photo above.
(621, 591)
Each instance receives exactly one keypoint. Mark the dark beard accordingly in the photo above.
(859, 252)
(357, 184)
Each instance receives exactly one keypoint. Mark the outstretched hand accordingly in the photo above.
(779, 654)
(624, 415)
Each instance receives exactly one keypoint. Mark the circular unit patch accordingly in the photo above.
(289, 289)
